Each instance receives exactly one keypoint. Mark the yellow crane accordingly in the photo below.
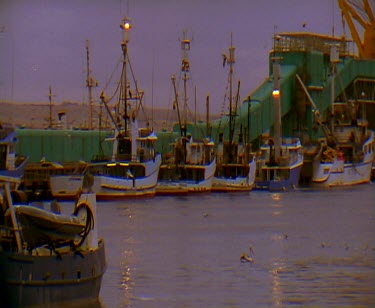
(364, 15)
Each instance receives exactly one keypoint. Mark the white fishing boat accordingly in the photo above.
(345, 155)
(132, 171)
(350, 162)
(191, 165)
(282, 172)
(281, 159)
(235, 169)
(235, 165)
(191, 169)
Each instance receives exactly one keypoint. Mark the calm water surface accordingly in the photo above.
(312, 248)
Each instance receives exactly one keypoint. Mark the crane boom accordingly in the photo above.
(366, 48)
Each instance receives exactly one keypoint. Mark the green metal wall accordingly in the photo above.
(62, 145)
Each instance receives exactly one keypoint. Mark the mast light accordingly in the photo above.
(126, 25)
(276, 93)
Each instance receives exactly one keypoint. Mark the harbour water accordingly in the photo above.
(312, 248)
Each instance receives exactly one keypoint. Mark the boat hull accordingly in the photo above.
(109, 187)
(188, 185)
(283, 175)
(231, 185)
(236, 184)
(350, 174)
(342, 173)
(283, 184)
(28, 280)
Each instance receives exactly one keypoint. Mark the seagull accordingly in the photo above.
(248, 258)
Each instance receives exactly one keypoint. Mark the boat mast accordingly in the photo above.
(185, 68)
(231, 61)
(13, 214)
(334, 59)
(277, 107)
(125, 25)
(177, 105)
(50, 107)
(248, 140)
(90, 83)
(208, 133)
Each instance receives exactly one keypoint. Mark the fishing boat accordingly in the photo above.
(191, 169)
(46, 257)
(350, 162)
(132, 170)
(235, 165)
(190, 166)
(11, 164)
(276, 173)
(345, 155)
(281, 159)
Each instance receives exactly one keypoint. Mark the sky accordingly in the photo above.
(43, 43)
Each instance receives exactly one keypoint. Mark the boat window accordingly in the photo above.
(3, 155)
(124, 146)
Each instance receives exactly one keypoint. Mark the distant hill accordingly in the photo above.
(37, 115)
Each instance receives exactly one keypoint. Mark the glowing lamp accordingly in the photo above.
(126, 25)
(276, 93)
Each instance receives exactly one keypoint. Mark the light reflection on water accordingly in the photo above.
(311, 249)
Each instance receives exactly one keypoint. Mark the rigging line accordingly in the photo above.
(168, 107)
(235, 115)
(111, 76)
(225, 95)
(116, 90)
(223, 110)
(136, 89)
(152, 89)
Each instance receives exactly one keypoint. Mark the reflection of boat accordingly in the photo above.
(48, 258)
(281, 159)
(235, 166)
(11, 165)
(132, 170)
(191, 165)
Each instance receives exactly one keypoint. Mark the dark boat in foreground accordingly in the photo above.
(49, 259)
